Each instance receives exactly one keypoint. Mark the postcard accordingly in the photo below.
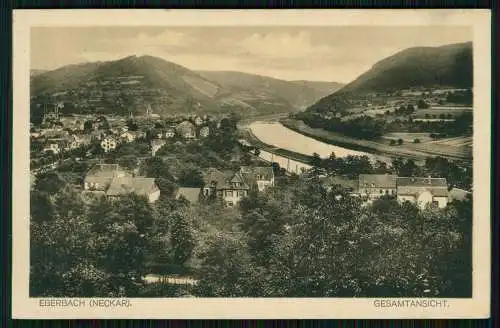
(298, 164)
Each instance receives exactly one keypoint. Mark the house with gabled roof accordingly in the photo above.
(373, 186)
(190, 194)
(260, 176)
(423, 191)
(232, 186)
(458, 194)
(99, 177)
(137, 185)
(186, 130)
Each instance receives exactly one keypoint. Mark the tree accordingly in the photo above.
(422, 104)
(182, 238)
(48, 182)
(392, 142)
(397, 164)
(227, 269)
(416, 140)
(155, 167)
(409, 169)
(400, 141)
(167, 187)
(87, 126)
(132, 125)
(191, 177)
(246, 158)
(316, 161)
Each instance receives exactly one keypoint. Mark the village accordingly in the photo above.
(74, 136)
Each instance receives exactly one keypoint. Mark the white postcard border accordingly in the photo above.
(287, 308)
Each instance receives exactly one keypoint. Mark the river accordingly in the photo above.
(275, 134)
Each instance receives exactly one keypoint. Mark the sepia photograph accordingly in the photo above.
(254, 162)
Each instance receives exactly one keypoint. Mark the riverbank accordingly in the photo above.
(248, 135)
(405, 151)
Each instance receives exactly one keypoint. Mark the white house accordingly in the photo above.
(423, 191)
(186, 129)
(373, 186)
(156, 144)
(170, 133)
(108, 144)
(128, 136)
(198, 120)
(99, 177)
(204, 132)
(53, 147)
(231, 187)
(137, 185)
(261, 176)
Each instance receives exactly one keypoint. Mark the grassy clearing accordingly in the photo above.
(408, 137)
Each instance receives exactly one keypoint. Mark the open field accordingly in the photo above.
(407, 150)
(408, 136)
(437, 111)
(454, 142)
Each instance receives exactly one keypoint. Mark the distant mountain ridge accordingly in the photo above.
(299, 94)
(130, 84)
(449, 65)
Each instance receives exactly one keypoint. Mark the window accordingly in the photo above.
(230, 204)
(229, 193)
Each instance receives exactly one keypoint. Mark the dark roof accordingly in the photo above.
(420, 181)
(105, 173)
(265, 172)
(413, 186)
(104, 170)
(125, 185)
(387, 181)
(185, 127)
(438, 191)
(191, 194)
(222, 179)
(213, 175)
(334, 180)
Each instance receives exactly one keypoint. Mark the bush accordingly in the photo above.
(400, 141)
(393, 142)
(416, 141)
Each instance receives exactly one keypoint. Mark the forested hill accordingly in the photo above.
(245, 87)
(131, 84)
(426, 67)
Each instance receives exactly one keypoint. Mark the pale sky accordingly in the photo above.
(331, 53)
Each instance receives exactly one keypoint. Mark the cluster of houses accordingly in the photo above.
(112, 181)
(422, 191)
(228, 186)
(68, 133)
